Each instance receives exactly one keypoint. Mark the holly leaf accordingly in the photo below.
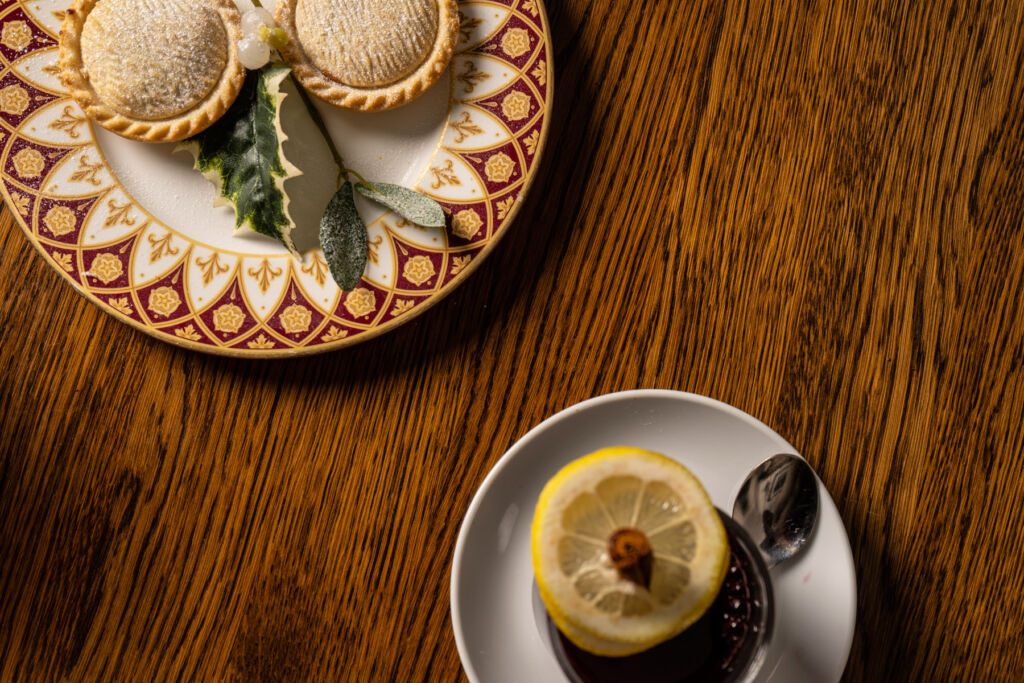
(343, 238)
(407, 203)
(241, 155)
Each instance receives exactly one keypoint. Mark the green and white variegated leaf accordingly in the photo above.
(241, 155)
(408, 204)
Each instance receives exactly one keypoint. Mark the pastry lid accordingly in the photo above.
(368, 55)
(158, 71)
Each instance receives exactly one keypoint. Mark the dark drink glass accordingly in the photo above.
(726, 645)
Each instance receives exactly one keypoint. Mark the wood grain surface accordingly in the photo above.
(811, 210)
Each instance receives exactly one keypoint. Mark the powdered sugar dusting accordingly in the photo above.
(367, 43)
(154, 59)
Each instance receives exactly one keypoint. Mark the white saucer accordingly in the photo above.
(492, 578)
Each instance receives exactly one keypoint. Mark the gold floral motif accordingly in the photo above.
(87, 172)
(531, 142)
(164, 301)
(459, 263)
(296, 318)
(264, 274)
(59, 220)
(334, 334)
(160, 247)
(465, 127)
(516, 106)
(20, 202)
(530, 6)
(467, 24)
(106, 268)
(317, 268)
(121, 305)
(119, 213)
(14, 100)
(540, 72)
(515, 42)
(261, 342)
(499, 168)
(418, 270)
(470, 77)
(68, 121)
(402, 306)
(188, 332)
(444, 175)
(504, 206)
(29, 162)
(228, 318)
(63, 260)
(373, 249)
(210, 266)
(360, 302)
(466, 223)
(16, 35)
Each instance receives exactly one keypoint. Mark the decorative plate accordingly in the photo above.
(133, 228)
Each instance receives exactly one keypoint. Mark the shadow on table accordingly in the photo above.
(892, 629)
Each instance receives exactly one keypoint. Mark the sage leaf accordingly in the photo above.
(408, 204)
(241, 155)
(343, 238)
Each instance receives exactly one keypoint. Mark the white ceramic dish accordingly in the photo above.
(492, 580)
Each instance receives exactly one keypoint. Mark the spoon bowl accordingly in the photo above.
(777, 505)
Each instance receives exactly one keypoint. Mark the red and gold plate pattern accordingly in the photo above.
(249, 297)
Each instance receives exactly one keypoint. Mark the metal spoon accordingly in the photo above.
(778, 506)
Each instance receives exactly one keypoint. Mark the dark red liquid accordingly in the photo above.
(715, 649)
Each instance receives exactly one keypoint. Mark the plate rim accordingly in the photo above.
(454, 606)
(394, 323)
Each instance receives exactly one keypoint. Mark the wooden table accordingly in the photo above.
(810, 210)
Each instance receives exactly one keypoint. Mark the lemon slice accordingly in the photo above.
(628, 550)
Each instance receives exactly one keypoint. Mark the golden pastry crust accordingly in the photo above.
(363, 91)
(153, 96)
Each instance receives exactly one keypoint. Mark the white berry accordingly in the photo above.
(253, 53)
(253, 19)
